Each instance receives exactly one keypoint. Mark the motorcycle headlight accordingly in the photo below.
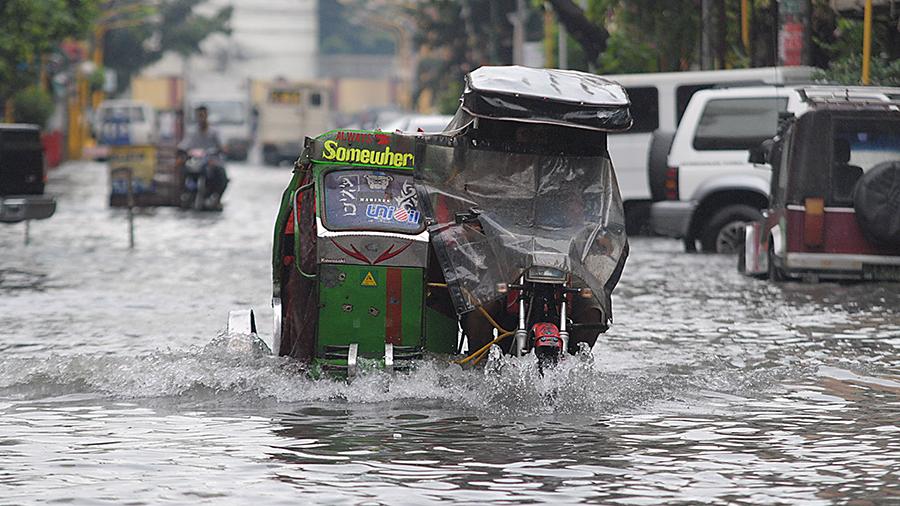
(545, 275)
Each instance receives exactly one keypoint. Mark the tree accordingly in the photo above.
(844, 49)
(170, 25)
(31, 29)
(650, 35)
(457, 36)
(592, 36)
(347, 30)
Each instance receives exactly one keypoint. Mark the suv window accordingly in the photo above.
(737, 123)
(858, 146)
(644, 109)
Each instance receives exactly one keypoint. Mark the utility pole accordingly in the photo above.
(745, 25)
(707, 29)
(867, 43)
(517, 20)
(562, 45)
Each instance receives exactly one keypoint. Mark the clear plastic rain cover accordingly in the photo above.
(557, 211)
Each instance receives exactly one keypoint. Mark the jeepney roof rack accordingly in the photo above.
(851, 95)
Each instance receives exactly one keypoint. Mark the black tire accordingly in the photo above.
(724, 232)
(875, 202)
(742, 259)
(657, 163)
(775, 274)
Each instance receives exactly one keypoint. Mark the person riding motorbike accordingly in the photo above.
(206, 139)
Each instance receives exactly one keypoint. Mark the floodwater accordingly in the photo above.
(118, 385)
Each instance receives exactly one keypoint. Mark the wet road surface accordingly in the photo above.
(118, 387)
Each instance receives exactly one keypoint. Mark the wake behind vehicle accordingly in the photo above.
(835, 206)
(508, 221)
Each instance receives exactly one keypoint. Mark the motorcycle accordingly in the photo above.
(525, 204)
(204, 180)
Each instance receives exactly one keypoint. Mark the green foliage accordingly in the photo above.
(347, 30)
(30, 29)
(625, 55)
(172, 25)
(96, 79)
(848, 70)
(845, 54)
(32, 105)
(648, 35)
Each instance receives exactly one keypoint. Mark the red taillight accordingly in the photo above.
(671, 184)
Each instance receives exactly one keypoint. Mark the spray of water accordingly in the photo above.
(236, 368)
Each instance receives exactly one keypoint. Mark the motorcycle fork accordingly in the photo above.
(549, 303)
(521, 332)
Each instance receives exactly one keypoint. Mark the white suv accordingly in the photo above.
(711, 188)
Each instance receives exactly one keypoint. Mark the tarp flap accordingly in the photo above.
(547, 210)
(563, 97)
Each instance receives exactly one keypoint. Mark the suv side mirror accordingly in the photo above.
(757, 155)
(760, 154)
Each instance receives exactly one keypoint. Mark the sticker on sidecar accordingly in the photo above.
(397, 214)
(369, 280)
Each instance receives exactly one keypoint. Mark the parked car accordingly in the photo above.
(412, 123)
(23, 173)
(658, 103)
(835, 206)
(711, 189)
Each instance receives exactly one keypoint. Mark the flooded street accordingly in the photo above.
(118, 386)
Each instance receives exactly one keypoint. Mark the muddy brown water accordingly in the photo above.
(116, 386)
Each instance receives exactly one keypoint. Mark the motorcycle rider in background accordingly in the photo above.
(206, 139)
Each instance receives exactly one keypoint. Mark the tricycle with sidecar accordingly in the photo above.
(508, 225)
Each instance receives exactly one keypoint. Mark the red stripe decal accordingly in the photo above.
(355, 253)
(394, 313)
(389, 253)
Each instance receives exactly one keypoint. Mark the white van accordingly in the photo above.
(658, 100)
(125, 122)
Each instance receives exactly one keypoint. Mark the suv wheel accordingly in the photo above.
(724, 232)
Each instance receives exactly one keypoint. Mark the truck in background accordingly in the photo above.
(228, 102)
(287, 112)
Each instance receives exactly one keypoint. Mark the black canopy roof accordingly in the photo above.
(562, 97)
